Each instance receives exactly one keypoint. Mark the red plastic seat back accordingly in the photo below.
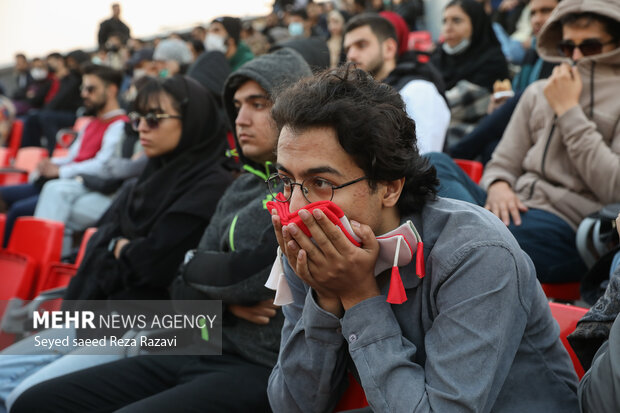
(18, 275)
(85, 238)
(353, 398)
(2, 225)
(473, 169)
(4, 157)
(28, 158)
(562, 292)
(15, 138)
(40, 239)
(567, 317)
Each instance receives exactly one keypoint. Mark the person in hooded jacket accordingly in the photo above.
(143, 236)
(559, 158)
(232, 263)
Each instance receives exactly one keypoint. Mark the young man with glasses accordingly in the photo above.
(472, 330)
(559, 158)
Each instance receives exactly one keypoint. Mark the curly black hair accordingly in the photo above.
(372, 126)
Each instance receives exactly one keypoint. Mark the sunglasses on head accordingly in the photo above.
(152, 119)
(588, 47)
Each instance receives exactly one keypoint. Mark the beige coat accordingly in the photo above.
(569, 165)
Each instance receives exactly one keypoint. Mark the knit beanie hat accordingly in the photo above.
(232, 26)
(173, 49)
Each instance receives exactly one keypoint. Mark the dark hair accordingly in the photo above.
(612, 27)
(372, 126)
(105, 73)
(56, 55)
(152, 88)
(20, 56)
(380, 26)
(299, 13)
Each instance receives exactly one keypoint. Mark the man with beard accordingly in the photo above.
(370, 41)
(93, 146)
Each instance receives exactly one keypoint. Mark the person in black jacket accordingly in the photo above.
(113, 25)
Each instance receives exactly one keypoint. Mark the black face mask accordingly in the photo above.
(112, 48)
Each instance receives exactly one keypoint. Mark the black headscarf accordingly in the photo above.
(175, 189)
(483, 62)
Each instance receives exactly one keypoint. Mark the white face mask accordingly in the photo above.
(464, 44)
(213, 42)
(38, 73)
(296, 29)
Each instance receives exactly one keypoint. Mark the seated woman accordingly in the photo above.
(143, 236)
(470, 60)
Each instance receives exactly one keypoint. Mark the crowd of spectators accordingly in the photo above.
(182, 142)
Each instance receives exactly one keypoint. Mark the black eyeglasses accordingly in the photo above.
(152, 119)
(314, 189)
(88, 89)
(588, 47)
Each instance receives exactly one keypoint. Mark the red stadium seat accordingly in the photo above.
(567, 317)
(39, 239)
(58, 274)
(25, 162)
(353, 398)
(473, 169)
(15, 139)
(567, 292)
(2, 225)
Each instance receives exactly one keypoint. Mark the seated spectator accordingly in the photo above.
(22, 75)
(59, 112)
(92, 148)
(256, 41)
(596, 341)
(470, 60)
(370, 41)
(468, 333)
(299, 25)
(39, 90)
(143, 236)
(172, 57)
(224, 35)
(560, 153)
(231, 263)
(484, 138)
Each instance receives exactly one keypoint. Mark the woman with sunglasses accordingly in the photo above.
(142, 238)
(559, 158)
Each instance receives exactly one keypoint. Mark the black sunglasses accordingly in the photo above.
(152, 119)
(588, 47)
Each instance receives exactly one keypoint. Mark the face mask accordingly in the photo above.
(397, 248)
(163, 73)
(138, 73)
(296, 29)
(464, 44)
(213, 42)
(38, 73)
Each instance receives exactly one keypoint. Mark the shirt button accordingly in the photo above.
(352, 338)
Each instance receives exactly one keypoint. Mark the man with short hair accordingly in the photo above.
(370, 41)
(224, 35)
(94, 145)
(466, 327)
(559, 158)
(113, 25)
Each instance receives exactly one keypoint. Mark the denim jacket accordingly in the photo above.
(475, 335)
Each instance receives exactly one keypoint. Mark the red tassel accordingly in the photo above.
(419, 260)
(396, 294)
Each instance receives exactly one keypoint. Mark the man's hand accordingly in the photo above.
(259, 313)
(563, 88)
(334, 267)
(48, 169)
(503, 202)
